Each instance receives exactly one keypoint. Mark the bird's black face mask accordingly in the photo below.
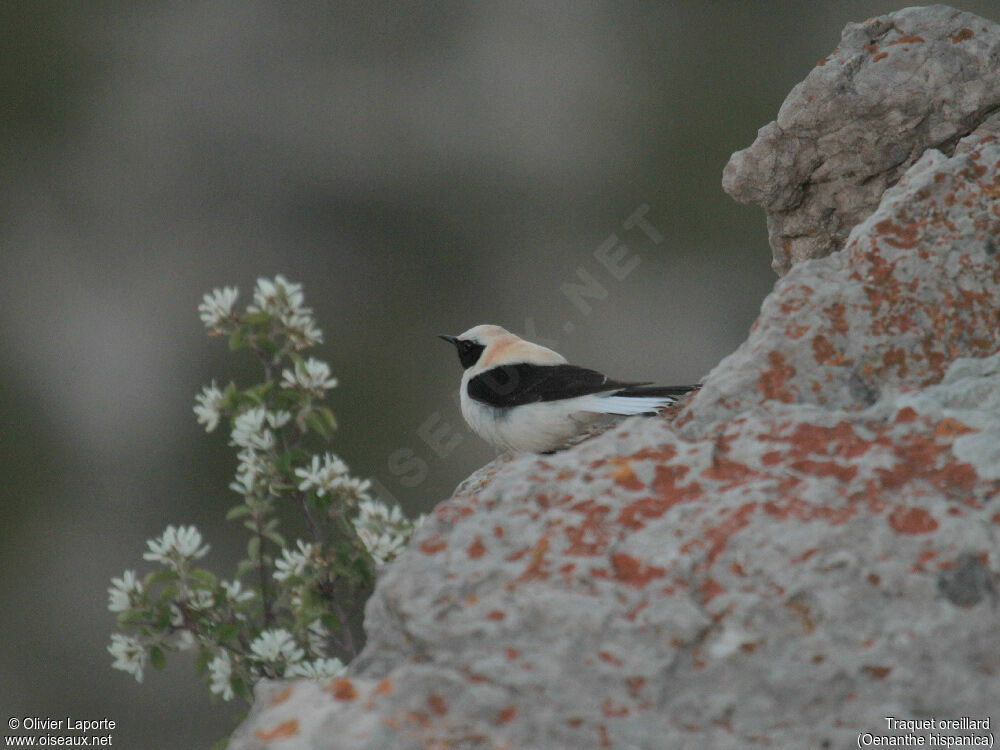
(468, 351)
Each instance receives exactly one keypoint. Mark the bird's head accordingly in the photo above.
(473, 343)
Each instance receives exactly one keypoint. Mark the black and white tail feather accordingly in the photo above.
(522, 396)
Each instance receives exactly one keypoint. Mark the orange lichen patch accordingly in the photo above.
(507, 714)
(282, 731)
(724, 470)
(609, 658)
(537, 567)
(926, 555)
(433, 545)
(898, 235)
(906, 414)
(895, 357)
(591, 536)
(342, 689)
(961, 35)
(711, 589)
(384, 687)
(471, 600)
(608, 708)
(477, 549)
(918, 456)
(512, 653)
(950, 427)
(911, 39)
(748, 647)
(419, 718)
(795, 330)
(878, 672)
(496, 614)
(881, 55)
(797, 508)
(281, 696)
(624, 476)
(632, 572)
(825, 469)
(823, 350)
(803, 612)
(718, 536)
(905, 520)
(995, 517)
(871, 48)
(574, 722)
(773, 382)
(805, 555)
(437, 704)
(634, 685)
(498, 532)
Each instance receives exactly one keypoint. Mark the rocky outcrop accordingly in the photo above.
(894, 87)
(808, 547)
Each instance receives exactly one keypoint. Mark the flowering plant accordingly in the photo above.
(286, 611)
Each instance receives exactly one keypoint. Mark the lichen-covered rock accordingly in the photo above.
(808, 547)
(896, 86)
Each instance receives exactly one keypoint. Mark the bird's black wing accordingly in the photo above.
(515, 385)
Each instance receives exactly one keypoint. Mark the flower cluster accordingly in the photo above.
(384, 532)
(285, 612)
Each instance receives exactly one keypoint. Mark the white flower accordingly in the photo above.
(121, 591)
(201, 599)
(209, 407)
(221, 671)
(328, 475)
(276, 645)
(217, 307)
(317, 636)
(176, 544)
(235, 593)
(384, 531)
(249, 430)
(313, 376)
(317, 670)
(278, 418)
(184, 640)
(382, 547)
(293, 563)
(302, 330)
(130, 655)
(278, 297)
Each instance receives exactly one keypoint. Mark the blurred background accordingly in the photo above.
(421, 168)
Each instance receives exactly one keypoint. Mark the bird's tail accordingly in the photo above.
(643, 399)
(674, 391)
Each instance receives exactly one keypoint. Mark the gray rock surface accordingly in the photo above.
(895, 86)
(809, 546)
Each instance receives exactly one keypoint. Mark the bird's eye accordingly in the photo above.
(468, 352)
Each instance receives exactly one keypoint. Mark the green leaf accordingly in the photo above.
(253, 548)
(244, 567)
(157, 658)
(237, 340)
(227, 631)
(328, 417)
(275, 537)
(160, 576)
(257, 318)
(237, 511)
(316, 424)
(205, 577)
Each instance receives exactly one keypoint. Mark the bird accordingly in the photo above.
(526, 398)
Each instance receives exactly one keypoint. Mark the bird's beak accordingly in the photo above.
(450, 339)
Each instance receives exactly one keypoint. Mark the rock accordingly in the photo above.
(896, 86)
(808, 547)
